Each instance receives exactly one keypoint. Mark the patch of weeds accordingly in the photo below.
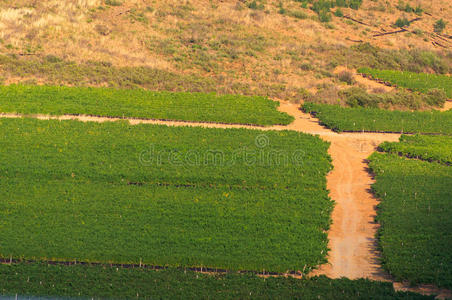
(102, 29)
(138, 16)
(298, 14)
(339, 13)
(113, 2)
(255, 5)
(347, 77)
(402, 22)
(439, 26)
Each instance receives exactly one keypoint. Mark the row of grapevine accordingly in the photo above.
(378, 120)
(414, 213)
(138, 103)
(104, 283)
(118, 193)
(421, 82)
(430, 148)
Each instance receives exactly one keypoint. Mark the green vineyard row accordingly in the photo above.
(117, 193)
(424, 147)
(378, 120)
(138, 103)
(414, 214)
(421, 82)
(105, 282)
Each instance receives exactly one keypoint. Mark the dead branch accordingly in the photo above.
(392, 32)
(357, 21)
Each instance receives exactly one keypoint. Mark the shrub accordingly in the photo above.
(298, 14)
(324, 16)
(439, 26)
(358, 97)
(346, 76)
(339, 13)
(113, 2)
(254, 5)
(401, 22)
(435, 97)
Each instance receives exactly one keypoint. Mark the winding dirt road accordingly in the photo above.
(352, 242)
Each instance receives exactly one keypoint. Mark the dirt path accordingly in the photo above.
(352, 232)
(352, 241)
(447, 105)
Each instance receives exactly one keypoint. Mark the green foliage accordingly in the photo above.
(356, 97)
(103, 73)
(346, 76)
(324, 16)
(339, 13)
(439, 26)
(233, 199)
(418, 10)
(421, 82)
(414, 213)
(372, 119)
(424, 147)
(323, 7)
(401, 22)
(104, 282)
(113, 2)
(256, 5)
(139, 103)
(406, 7)
(298, 14)
(415, 60)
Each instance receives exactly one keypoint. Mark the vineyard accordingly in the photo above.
(138, 103)
(100, 282)
(430, 148)
(358, 119)
(414, 214)
(421, 82)
(169, 196)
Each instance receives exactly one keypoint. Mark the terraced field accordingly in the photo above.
(225, 200)
(139, 103)
(430, 148)
(421, 82)
(169, 196)
(415, 234)
(359, 119)
(87, 281)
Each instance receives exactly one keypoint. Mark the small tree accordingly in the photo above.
(439, 26)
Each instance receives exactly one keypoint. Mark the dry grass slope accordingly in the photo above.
(279, 49)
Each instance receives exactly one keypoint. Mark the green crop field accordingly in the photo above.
(171, 196)
(378, 120)
(138, 103)
(105, 282)
(416, 228)
(421, 82)
(424, 147)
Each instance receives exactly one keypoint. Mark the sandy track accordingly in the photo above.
(447, 105)
(352, 242)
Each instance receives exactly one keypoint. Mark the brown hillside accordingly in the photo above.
(278, 49)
